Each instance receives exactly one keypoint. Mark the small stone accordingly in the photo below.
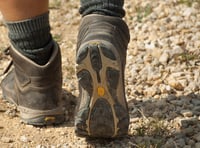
(187, 113)
(188, 131)
(188, 12)
(147, 59)
(176, 51)
(165, 88)
(180, 142)
(156, 53)
(177, 102)
(24, 139)
(164, 58)
(134, 120)
(197, 145)
(179, 136)
(40, 146)
(150, 46)
(169, 144)
(191, 142)
(157, 114)
(161, 103)
(176, 84)
(196, 5)
(151, 91)
(196, 102)
(193, 86)
(6, 140)
(62, 133)
(11, 113)
(197, 137)
(139, 139)
(66, 145)
(176, 18)
(188, 121)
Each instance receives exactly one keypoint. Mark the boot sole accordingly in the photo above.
(99, 71)
(39, 117)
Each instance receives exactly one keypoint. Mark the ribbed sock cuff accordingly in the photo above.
(32, 37)
(105, 7)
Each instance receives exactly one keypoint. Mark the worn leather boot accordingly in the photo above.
(101, 58)
(34, 89)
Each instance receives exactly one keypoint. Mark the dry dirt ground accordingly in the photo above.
(162, 79)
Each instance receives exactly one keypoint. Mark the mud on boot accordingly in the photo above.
(101, 57)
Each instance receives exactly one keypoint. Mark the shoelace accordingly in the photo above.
(7, 52)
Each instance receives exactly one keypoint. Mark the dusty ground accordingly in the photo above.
(162, 79)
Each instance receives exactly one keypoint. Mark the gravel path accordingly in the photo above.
(162, 79)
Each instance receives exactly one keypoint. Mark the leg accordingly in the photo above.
(101, 55)
(32, 85)
(16, 10)
(28, 25)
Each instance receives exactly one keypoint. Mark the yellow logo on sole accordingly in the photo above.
(50, 119)
(101, 91)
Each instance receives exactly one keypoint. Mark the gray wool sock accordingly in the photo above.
(32, 38)
(104, 7)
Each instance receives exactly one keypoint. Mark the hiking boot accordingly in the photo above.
(101, 58)
(35, 89)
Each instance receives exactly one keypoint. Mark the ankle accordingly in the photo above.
(32, 38)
